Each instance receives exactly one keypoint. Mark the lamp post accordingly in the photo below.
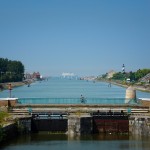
(9, 88)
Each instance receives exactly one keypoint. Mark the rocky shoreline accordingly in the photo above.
(136, 87)
(143, 88)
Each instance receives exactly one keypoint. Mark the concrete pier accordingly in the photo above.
(73, 125)
(130, 94)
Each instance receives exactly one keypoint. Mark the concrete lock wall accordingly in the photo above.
(83, 125)
(3, 103)
(24, 125)
(76, 125)
(73, 125)
(139, 126)
(10, 102)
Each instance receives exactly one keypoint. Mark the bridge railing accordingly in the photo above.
(76, 101)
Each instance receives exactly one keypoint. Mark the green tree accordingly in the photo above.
(141, 73)
(132, 76)
(11, 71)
(118, 76)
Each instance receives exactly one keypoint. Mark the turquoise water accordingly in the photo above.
(74, 101)
(65, 88)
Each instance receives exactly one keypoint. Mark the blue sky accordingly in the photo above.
(86, 37)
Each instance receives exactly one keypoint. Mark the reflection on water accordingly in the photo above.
(45, 141)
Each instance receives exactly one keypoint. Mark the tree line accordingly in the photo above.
(134, 76)
(11, 70)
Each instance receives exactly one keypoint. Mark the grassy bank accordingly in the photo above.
(3, 117)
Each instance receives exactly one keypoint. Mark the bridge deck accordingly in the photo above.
(76, 108)
(82, 105)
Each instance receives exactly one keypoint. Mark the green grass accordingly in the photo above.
(3, 115)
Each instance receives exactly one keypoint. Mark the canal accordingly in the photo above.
(66, 88)
(47, 141)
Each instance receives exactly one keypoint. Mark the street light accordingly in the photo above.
(9, 88)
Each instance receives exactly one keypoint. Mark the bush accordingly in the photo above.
(3, 115)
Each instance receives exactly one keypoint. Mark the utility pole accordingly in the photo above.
(9, 88)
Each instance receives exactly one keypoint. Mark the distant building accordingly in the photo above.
(67, 74)
(36, 75)
(28, 76)
(110, 74)
(128, 80)
(89, 78)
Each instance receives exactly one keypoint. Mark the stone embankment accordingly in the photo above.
(4, 86)
(144, 88)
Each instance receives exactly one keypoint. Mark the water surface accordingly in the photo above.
(45, 141)
(66, 88)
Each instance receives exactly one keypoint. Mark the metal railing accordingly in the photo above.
(76, 101)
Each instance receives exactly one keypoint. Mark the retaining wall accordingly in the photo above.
(10, 102)
(139, 125)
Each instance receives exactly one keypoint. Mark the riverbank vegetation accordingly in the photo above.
(140, 79)
(133, 76)
(3, 117)
(5, 120)
(11, 70)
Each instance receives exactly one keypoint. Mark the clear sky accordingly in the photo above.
(86, 37)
